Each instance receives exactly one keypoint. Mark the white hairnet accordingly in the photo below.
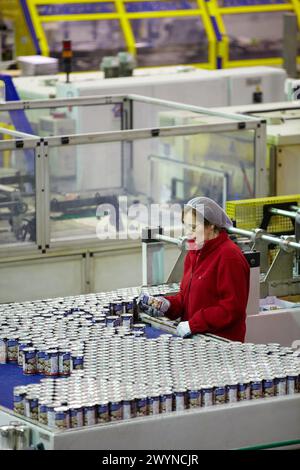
(211, 211)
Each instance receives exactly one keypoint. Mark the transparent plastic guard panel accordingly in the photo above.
(254, 35)
(91, 40)
(168, 41)
(151, 115)
(17, 195)
(69, 120)
(219, 166)
(105, 188)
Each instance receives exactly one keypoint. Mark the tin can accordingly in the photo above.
(43, 416)
(116, 307)
(244, 391)
(12, 349)
(29, 361)
(127, 320)
(194, 398)
(76, 416)
(166, 402)
(8, 437)
(139, 327)
(64, 363)
(220, 395)
(77, 361)
(280, 385)
(112, 321)
(19, 400)
(268, 387)
(31, 407)
(127, 408)
(3, 350)
(51, 414)
(180, 398)
(207, 395)
(62, 417)
(89, 414)
(153, 404)
(231, 393)
(103, 412)
(256, 389)
(291, 383)
(21, 346)
(40, 361)
(141, 406)
(116, 410)
(51, 363)
(128, 306)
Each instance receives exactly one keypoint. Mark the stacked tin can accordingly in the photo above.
(127, 377)
(47, 337)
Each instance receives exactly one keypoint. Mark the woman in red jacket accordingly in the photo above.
(215, 285)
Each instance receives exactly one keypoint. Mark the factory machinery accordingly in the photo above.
(79, 180)
(211, 34)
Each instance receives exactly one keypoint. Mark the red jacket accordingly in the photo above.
(214, 290)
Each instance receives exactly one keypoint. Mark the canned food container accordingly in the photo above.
(89, 414)
(103, 412)
(43, 412)
(77, 361)
(268, 387)
(76, 416)
(206, 395)
(153, 404)
(166, 402)
(61, 417)
(116, 410)
(256, 388)
(112, 321)
(51, 362)
(244, 391)
(19, 400)
(231, 393)
(291, 382)
(21, 346)
(194, 398)
(180, 399)
(12, 349)
(64, 363)
(29, 361)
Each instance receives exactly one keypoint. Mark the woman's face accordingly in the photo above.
(196, 232)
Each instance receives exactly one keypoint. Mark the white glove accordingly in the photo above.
(154, 306)
(183, 329)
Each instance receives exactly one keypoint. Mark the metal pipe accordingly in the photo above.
(295, 208)
(290, 214)
(165, 238)
(268, 238)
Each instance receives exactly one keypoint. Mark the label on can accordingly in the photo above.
(89, 415)
(232, 393)
(103, 413)
(179, 401)
(40, 362)
(51, 363)
(269, 388)
(244, 391)
(116, 411)
(127, 320)
(12, 350)
(194, 398)
(3, 350)
(50, 415)
(61, 418)
(112, 321)
(220, 395)
(77, 362)
(64, 363)
(127, 409)
(256, 389)
(31, 407)
(128, 306)
(19, 402)
(29, 361)
(43, 416)
(166, 403)
(291, 384)
(76, 417)
(280, 386)
(153, 405)
(207, 396)
(21, 347)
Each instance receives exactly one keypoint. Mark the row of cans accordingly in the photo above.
(63, 414)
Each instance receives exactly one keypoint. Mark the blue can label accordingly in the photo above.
(166, 403)
(77, 362)
(103, 413)
(194, 398)
(40, 362)
(89, 415)
(19, 403)
(64, 363)
(116, 411)
(3, 350)
(12, 350)
(43, 418)
(76, 416)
